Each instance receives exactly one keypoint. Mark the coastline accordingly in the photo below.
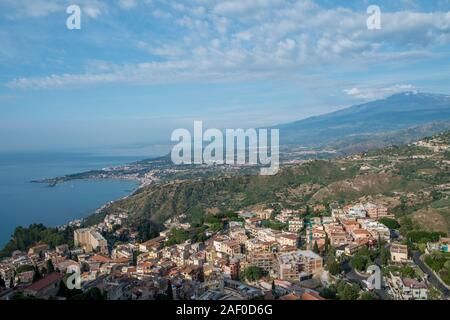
(79, 222)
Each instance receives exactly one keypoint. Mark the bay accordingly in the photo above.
(23, 203)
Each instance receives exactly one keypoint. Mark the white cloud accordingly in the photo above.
(36, 8)
(377, 93)
(253, 39)
(127, 4)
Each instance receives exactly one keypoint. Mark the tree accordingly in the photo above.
(315, 247)
(37, 275)
(2, 282)
(408, 272)
(390, 223)
(327, 244)
(169, 291)
(308, 210)
(332, 265)
(359, 262)
(347, 291)
(368, 295)
(253, 273)
(384, 255)
(404, 203)
(50, 267)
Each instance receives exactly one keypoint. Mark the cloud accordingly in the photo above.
(127, 4)
(377, 93)
(258, 39)
(36, 8)
(231, 7)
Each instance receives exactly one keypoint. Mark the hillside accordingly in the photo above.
(411, 180)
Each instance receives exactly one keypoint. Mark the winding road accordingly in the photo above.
(431, 276)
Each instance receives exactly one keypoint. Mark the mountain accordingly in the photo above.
(383, 118)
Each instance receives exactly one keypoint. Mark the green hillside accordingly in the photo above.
(411, 180)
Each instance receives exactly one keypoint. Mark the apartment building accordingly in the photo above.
(295, 224)
(293, 266)
(90, 240)
(263, 260)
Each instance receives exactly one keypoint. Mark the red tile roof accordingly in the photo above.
(45, 282)
(312, 296)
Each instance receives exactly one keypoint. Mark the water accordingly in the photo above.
(23, 203)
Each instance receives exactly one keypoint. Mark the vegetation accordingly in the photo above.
(341, 291)
(333, 266)
(439, 262)
(178, 236)
(24, 268)
(276, 225)
(363, 259)
(368, 295)
(23, 238)
(390, 223)
(253, 273)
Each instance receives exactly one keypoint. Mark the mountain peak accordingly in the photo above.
(397, 112)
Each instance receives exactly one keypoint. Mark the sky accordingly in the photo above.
(137, 69)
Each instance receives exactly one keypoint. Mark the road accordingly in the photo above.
(431, 276)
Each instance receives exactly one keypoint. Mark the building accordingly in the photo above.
(264, 214)
(294, 266)
(407, 289)
(295, 224)
(288, 239)
(38, 249)
(263, 260)
(46, 287)
(375, 211)
(376, 229)
(399, 252)
(90, 240)
(232, 270)
(361, 234)
(155, 243)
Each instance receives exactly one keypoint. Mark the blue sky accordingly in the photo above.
(137, 69)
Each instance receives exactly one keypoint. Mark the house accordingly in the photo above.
(68, 266)
(46, 287)
(37, 249)
(288, 239)
(310, 295)
(151, 244)
(399, 253)
(361, 234)
(265, 214)
(407, 289)
(289, 297)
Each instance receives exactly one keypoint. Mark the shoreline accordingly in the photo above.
(77, 222)
(104, 206)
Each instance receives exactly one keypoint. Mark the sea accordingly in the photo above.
(23, 203)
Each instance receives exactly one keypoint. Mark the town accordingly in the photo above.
(315, 253)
